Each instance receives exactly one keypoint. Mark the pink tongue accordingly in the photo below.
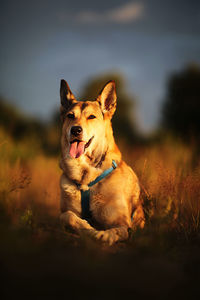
(76, 149)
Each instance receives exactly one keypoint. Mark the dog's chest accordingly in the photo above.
(81, 171)
(88, 203)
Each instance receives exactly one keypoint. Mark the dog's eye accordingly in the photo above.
(91, 117)
(71, 116)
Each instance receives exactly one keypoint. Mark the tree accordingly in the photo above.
(123, 119)
(181, 109)
(18, 124)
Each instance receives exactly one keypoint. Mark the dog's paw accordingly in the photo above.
(108, 236)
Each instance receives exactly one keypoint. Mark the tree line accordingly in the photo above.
(180, 113)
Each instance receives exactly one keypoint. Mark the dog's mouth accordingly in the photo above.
(77, 147)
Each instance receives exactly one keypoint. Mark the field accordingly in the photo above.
(39, 258)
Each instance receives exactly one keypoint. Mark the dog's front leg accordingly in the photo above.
(110, 236)
(120, 233)
(138, 219)
(70, 219)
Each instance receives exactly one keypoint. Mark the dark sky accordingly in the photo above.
(44, 41)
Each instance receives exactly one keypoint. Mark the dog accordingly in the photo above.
(99, 191)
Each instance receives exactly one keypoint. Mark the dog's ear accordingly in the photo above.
(108, 99)
(66, 96)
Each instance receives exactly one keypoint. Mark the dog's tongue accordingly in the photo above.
(76, 149)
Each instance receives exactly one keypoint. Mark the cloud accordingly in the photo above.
(126, 13)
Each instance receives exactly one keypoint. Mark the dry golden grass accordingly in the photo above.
(29, 183)
(170, 184)
(39, 258)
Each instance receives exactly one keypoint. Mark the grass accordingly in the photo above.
(38, 258)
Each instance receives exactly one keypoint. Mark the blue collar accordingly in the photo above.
(85, 195)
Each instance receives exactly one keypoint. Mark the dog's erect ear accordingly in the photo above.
(108, 99)
(66, 95)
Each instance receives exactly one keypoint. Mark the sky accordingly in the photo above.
(44, 41)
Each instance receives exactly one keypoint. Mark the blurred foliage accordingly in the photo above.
(30, 130)
(17, 124)
(123, 121)
(181, 109)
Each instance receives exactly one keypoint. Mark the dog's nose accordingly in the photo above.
(76, 130)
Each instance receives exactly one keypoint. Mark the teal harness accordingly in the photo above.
(85, 195)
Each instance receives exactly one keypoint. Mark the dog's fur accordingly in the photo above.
(116, 197)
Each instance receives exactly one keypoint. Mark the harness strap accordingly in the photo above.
(85, 204)
(85, 195)
(104, 174)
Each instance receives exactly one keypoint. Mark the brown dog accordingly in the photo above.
(89, 153)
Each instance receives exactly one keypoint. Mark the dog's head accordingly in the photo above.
(85, 122)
